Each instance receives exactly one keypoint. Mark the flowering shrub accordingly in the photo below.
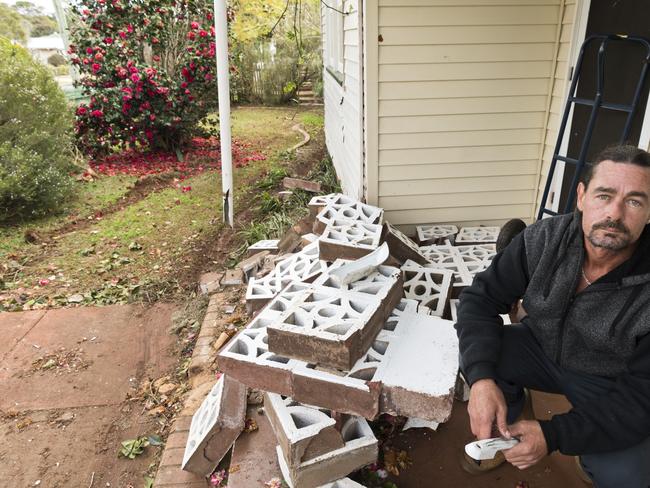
(148, 68)
(35, 137)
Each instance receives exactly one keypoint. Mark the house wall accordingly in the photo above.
(343, 106)
(463, 95)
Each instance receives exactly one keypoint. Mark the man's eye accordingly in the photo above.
(602, 197)
(634, 203)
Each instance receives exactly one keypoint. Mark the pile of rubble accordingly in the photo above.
(351, 325)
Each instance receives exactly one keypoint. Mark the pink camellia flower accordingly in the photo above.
(99, 56)
(152, 117)
(203, 33)
(150, 72)
(89, 50)
(155, 40)
(44, 282)
(86, 61)
(156, 58)
(96, 67)
(185, 189)
(191, 35)
(97, 113)
(184, 84)
(81, 110)
(194, 25)
(135, 77)
(149, 134)
(108, 40)
(129, 28)
(121, 72)
(122, 34)
(208, 77)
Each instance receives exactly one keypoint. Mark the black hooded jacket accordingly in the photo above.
(604, 330)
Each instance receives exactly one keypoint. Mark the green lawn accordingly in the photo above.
(151, 241)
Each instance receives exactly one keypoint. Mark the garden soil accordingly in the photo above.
(70, 381)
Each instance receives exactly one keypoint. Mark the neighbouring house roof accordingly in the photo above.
(53, 41)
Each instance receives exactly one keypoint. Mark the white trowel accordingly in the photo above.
(488, 448)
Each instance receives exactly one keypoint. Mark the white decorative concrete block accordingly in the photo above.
(302, 266)
(359, 449)
(477, 235)
(477, 257)
(319, 202)
(346, 239)
(270, 245)
(429, 286)
(434, 233)
(345, 208)
(328, 327)
(215, 426)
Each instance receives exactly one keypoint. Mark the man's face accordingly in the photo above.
(616, 205)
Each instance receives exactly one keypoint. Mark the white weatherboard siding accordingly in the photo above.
(566, 50)
(343, 105)
(463, 95)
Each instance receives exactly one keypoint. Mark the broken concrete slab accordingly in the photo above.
(289, 242)
(270, 245)
(233, 277)
(254, 453)
(402, 248)
(252, 264)
(345, 208)
(477, 235)
(215, 426)
(325, 464)
(308, 238)
(415, 423)
(419, 373)
(210, 282)
(429, 286)
(326, 326)
(293, 183)
(434, 233)
(347, 239)
(302, 266)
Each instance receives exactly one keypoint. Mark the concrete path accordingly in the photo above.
(65, 378)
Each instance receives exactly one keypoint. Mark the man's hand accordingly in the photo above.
(487, 404)
(532, 444)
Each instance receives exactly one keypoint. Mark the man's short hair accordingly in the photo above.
(620, 153)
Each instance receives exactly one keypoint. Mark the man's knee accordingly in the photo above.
(628, 467)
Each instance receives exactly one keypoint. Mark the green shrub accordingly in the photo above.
(35, 137)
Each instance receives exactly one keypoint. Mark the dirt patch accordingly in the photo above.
(62, 361)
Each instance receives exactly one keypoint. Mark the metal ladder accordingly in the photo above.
(595, 104)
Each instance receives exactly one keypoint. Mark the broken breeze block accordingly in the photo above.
(270, 245)
(401, 246)
(385, 283)
(345, 208)
(215, 426)
(477, 257)
(434, 234)
(347, 239)
(429, 286)
(448, 257)
(319, 202)
(302, 266)
(327, 327)
(312, 451)
(247, 358)
(477, 235)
